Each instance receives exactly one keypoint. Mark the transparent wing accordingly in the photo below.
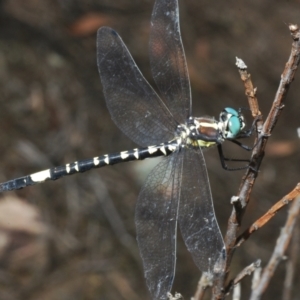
(133, 104)
(156, 224)
(167, 58)
(197, 220)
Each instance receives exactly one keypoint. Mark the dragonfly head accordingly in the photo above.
(231, 123)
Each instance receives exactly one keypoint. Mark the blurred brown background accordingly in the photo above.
(75, 238)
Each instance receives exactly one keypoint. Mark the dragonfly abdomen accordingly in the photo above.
(81, 166)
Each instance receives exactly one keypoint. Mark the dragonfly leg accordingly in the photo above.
(224, 159)
(243, 146)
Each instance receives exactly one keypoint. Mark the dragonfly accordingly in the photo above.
(177, 192)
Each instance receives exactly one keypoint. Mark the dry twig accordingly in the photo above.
(268, 215)
(291, 264)
(278, 253)
(264, 131)
(250, 91)
(237, 292)
(204, 282)
(245, 272)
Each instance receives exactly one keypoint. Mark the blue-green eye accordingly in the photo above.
(234, 125)
(231, 111)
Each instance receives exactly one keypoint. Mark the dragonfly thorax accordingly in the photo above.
(199, 132)
(206, 131)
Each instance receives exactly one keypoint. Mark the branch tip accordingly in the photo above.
(234, 199)
(295, 32)
(293, 27)
(240, 64)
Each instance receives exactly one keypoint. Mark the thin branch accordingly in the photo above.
(268, 215)
(204, 282)
(245, 272)
(250, 91)
(248, 180)
(236, 295)
(286, 79)
(279, 250)
(291, 264)
(258, 153)
(256, 278)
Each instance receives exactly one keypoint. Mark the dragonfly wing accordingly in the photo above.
(133, 104)
(197, 220)
(167, 58)
(156, 224)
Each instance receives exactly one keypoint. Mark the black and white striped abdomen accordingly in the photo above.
(55, 173)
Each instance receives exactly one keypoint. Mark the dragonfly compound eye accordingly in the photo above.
(233, 126)
(233, 122)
